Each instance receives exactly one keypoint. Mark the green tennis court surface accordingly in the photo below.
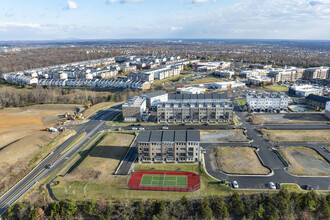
(155, 180)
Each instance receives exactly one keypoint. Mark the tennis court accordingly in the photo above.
(154, 180)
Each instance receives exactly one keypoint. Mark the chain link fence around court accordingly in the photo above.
(193, 181)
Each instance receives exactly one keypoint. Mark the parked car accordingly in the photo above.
(134, 128)
(167, 124)
(165, 128)
(205, 124)
(204, 151)
(278, 186)
(235, 185)
(141, 129)
(183, 124)
(271, 185)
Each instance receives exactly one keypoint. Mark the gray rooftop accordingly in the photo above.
(173, 136)
(154, 94)
(195, 96)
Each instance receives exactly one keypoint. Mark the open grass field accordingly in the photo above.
(154, 180)
(277, 88)
(239, 160)
(241, 101)
(289, 119)
(217, 136)
(116, 188)
(205, 80)
(304, 161)
(103, 160)
(88, 112)
(296, 135)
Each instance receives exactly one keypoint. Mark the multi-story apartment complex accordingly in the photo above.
(291, 74)
(195, 108)
(317, 101)
(259, 80)
(134, 108)
(327, 110)
(168, 146)
(316, 73)
(267, 102)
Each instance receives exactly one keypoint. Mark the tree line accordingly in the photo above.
(281, 205)
(20, 96)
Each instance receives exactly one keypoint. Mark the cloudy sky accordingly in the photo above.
(179, 19)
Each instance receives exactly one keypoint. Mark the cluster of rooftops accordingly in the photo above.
(168, 136)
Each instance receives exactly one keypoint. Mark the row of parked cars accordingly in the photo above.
(271, 185)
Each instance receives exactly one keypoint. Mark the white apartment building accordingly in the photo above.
(258, 80)
(267, 102)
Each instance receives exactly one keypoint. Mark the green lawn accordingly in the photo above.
(277, 88)
(164, 181)
(241, 101)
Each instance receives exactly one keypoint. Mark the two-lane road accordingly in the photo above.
(92, 127)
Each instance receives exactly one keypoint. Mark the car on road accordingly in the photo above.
(182, 124)
(204, 151)
(309, 187)
(271, 185)
(205, 124)
(278, 185)
(191, 128)
(166, 124)
(165, 128)
(235, 184)
(48, 166)
(141, 129)
(139, 125)
(134, 128)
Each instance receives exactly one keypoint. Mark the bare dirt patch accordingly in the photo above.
(296, 135)
(103, 159)
(218, 136)
(19, 157)
(304, 161)
(239, 160)
(289, 119)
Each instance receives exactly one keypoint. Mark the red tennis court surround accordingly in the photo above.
(193, 182)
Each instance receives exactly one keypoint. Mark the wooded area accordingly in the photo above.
(281, 205)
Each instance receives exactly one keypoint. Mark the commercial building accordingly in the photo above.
(191, 90)
(168, 146)
(305, 90)
(267, 102)
(227, 85)
(224, 73)
(134, 108)
(154, 98)
(195, 108)
(316, 101)
(259, 80)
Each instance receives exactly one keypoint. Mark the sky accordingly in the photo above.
(164, 19)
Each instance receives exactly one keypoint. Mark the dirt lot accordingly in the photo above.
(296, 135)
(239, 160)
(102, 160)
(22, 141)
(289, 119)
(233, 135)
(305, 161)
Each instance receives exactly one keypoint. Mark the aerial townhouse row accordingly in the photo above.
(267, 102)
(195, 108)
(102, 83)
